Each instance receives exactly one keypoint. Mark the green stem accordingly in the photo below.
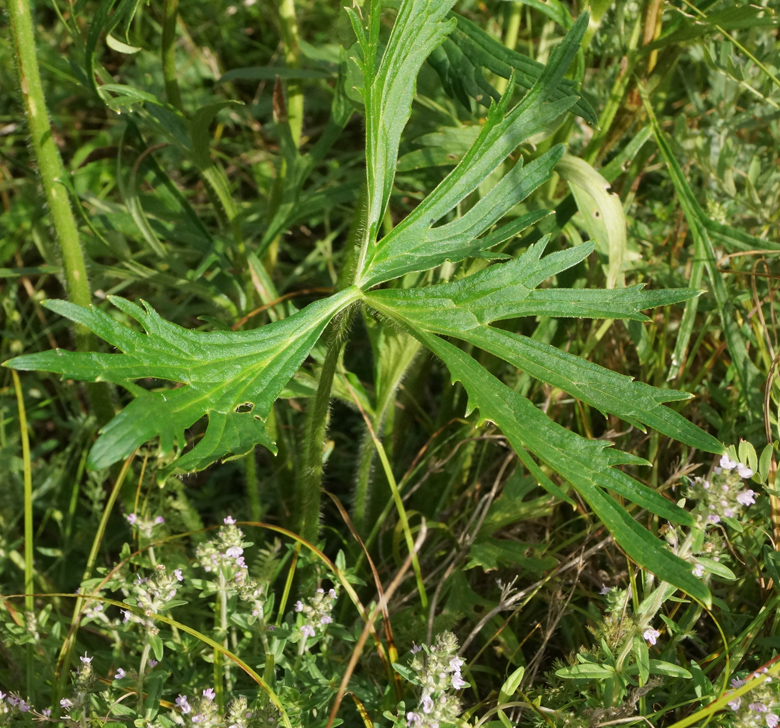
(288, 24)
(66, 651)
(51, 171)
(29, 587)
(399, 504)
(253, 487)
(221, 625)
(141, 674)
(170, 10)
(309, 479)
(310, 476)
(510, 39)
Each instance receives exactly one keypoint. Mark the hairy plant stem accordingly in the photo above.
(310, 476)
(51, 172)
(170, 10)
(309, 481)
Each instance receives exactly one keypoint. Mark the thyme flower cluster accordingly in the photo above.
(224, 557)
(438, 672)
(203, 712)
(724, 495)
(144, 526)
(758, 709)
(153, 595)
(85, 680)
(316, 611)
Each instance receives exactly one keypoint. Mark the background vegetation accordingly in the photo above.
(214, 157)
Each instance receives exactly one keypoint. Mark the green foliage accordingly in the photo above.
(235, 378)
(555, 228)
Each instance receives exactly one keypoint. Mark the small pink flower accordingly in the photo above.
(744, 471)
(458, 683)
(299, 606)
(307, 630)
(179, 575)
(85, 660)
(159, 520)
(119, 674)
(651, 635)
(229, 520)
(183, 704)
(727, 463)
(132, 518)
(746, 497)
(209, 694)
(698, 571)
(772, 720)
(234, 552)
(734, 704)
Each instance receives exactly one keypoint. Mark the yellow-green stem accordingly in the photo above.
(288, 24)
(66, 650)
(51, 172)
(29, 574)
(510, 38)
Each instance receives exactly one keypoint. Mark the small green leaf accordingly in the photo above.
(157, 646)
(586, 670)
(199, 131)
(642, 655)
(461, 57)
(120, 47)
(765, 462)
(602, 213)
(509, 688)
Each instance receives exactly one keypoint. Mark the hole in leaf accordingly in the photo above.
(246, 407)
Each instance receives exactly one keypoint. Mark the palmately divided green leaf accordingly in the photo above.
(586, 464)
(421, 25)
(232, 377)
(415, 244)
(464, 309)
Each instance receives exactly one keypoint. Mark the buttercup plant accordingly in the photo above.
(235, 377)
(442, 287)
